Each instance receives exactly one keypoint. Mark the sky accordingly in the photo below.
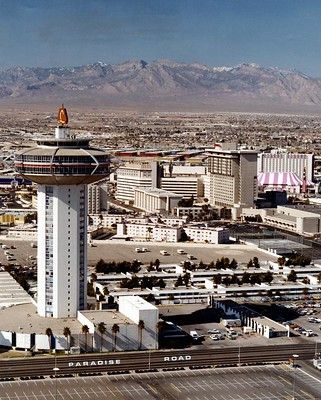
(282, 33)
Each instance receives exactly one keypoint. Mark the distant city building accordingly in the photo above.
(170, 221)
(207, 235)
(97, 198)
(231, 180)
(149, 232)
(171, 170)
(134, 175)
(23, 232)
(303, 220)
(106, 220)
(13, 218)
(188, 211)
(13, 181)
(185, 186)
(280, 161)
(154, 200)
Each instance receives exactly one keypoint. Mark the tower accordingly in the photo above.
(62, 166)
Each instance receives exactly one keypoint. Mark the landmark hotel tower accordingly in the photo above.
(62, 166)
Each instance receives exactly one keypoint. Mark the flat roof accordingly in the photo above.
(11, 292)
(156, 191)
(139, 302)
(279, 244)
(270, 323)
(109, 317)
(23, 318)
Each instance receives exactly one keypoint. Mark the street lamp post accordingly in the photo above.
(295, 356)
(55, 370)
(239, 355)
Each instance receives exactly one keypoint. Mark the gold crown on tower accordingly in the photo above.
(62, 117)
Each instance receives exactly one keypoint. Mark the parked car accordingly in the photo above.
(215, 331)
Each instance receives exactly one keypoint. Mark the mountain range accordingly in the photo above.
(163, 84)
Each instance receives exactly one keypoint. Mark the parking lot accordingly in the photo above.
(20, 254)
(245, 383)
(120, 251)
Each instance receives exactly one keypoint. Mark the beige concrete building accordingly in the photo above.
(303, 220)
(154, 200)
(97, 198)
(232, 178)
(208, 235)
(134, 175)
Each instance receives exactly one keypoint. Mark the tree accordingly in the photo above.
(250, 264)
(255, 278)
(179, 281)
(226, 281)
(101, 328)
(157, 264)
(160, 328)
(186, 278)
(292, 277)
(219, 264)
(150, 298)
(67, 333)
(268, 277)
(85, 331)
(149, 232)
(115, 330)
(211, 265)
(217, 279)
(101, 264)
(141, 326)
(233, 264)
(90, 289)
(150, 267)
(245, 278)
(161, 283)
(256, 263)
(49, 334)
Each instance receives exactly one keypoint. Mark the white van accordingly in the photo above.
(194, 334)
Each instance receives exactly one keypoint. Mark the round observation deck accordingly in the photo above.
(62, 160)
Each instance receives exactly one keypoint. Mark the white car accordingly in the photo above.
(215, 331)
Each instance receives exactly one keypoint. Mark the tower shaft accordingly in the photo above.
(62, 250)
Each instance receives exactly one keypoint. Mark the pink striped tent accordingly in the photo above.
(280, 179)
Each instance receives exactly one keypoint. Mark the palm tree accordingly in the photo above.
(67, 334)
(101, 328)
(105, 291)
(85, 330)
(160, 327)
(49, 334)
(149, 231)
(115, 330)
(141, 326)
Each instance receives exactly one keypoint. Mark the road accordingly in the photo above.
(134, 361)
